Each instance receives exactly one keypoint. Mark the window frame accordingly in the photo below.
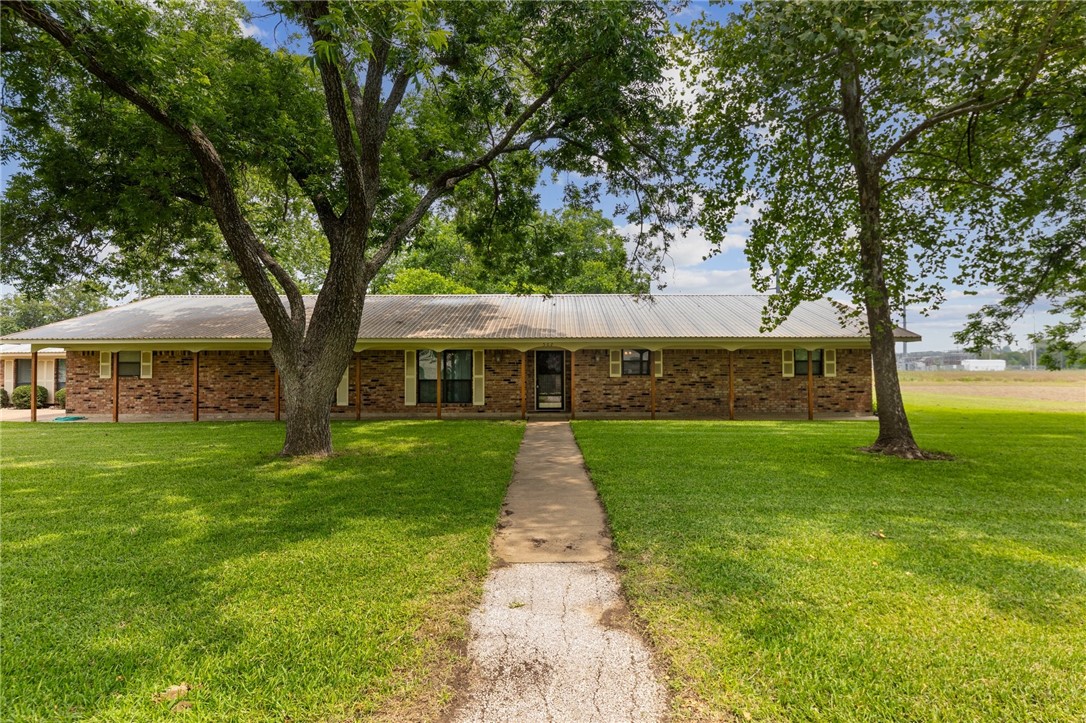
(128, 368)
(462, 386)
(21, 381)
(643, 363)
(60, 374)
(819, 362)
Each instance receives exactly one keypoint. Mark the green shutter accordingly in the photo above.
(829, 362)
(616, 362)
(410, 377)
(788, 363)
(658, 362)
(478, 377)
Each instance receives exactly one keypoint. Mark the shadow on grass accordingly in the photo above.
(158, 551)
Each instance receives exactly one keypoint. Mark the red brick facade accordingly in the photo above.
(694, 384)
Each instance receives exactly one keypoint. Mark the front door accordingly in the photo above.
(550, 379)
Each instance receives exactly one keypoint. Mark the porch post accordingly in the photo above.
(652, 383)
(196, 386)
(116, 385)
(33, 386)
(357, 387)
(440, 373)
(731, 384)
(524, 385)
(573, 385)
(810, 385)
(278, 394)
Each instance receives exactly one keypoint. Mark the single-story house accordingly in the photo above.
(16, 370)
(479, 355)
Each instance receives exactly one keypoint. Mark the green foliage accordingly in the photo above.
(60, 398)
(5, 399)
(22, 311)
(310, 590)
(783, 575)
(572, 251)
(975, 125)
(20, 397)
(105, 192)
(421, 281)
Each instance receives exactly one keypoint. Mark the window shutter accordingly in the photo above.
(829, 362)
(105, 365)
(410, 375)
(145, 364)
(343, 390)
(9, 375)
(478, 377)
(658, 362)
(788, 363)
(616, 362)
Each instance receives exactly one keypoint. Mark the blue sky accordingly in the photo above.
(725, 273)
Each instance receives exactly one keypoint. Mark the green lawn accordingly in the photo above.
(783, 575)
(141, 556)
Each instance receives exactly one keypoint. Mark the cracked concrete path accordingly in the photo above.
(552, 639)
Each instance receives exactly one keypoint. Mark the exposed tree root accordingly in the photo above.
(905, 449)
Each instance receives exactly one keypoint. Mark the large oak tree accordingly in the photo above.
(891, 148)
(139, 124)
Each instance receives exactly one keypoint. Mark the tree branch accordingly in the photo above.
(333, 84)
(239, 235)
(976, 104)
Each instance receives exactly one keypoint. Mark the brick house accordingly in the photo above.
(16, 369)
(498, 356)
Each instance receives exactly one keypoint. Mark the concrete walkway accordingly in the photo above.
(552, 639)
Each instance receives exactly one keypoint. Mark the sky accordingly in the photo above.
(688, 271)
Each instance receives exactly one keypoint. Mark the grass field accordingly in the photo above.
(140, 557)
(1038, 391)
(784, 575)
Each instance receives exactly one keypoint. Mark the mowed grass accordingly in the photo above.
(139, 557)
(784, 575)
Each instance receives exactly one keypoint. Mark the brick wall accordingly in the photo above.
(694, 384)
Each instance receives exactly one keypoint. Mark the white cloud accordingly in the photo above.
(249, 30)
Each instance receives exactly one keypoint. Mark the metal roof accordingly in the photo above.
(470, 317)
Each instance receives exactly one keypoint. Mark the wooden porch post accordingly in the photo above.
(357, 387)
(278, 394)
(572, 385)
(731, 384)
(116, 385)
(524, 385)
(810, 385)
(33, 386)
(440, 373)
(196, 386)
(652, 383)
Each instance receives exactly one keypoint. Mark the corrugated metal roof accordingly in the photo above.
(468, 317)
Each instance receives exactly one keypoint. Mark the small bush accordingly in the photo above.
(20, 397)
(61, 398)
(5, 400)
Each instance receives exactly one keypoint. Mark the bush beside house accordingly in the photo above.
(20, 397)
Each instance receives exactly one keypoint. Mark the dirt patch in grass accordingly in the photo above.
(1049, 392)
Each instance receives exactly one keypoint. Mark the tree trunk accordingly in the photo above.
(309, 429)
(895, 434)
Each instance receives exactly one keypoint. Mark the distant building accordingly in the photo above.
(984, 365)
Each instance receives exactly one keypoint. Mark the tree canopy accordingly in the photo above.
(141, 125)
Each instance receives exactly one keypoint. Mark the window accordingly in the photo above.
(801, 362)
(22, 372)
(128, 363)
(455, 376)
(635, 363)
(62, 374)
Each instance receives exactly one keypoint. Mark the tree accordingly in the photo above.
(573, 251)
(21, 311)
(887, 146)
(420, 281)
(154, 118)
